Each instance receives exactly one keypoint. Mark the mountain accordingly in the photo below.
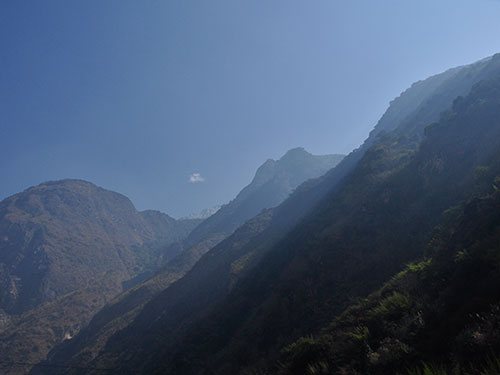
(379, 218)
(273, 182)
(67, 247)
(167, 229)
(292, 270)
(440, 315)
(204, 214)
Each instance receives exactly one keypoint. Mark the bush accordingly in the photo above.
(393, 305)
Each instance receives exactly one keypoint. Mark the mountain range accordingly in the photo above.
(69, 248)
(385, 261)
(321, 283)
(204, 214)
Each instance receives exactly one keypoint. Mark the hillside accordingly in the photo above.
(379, 220)
(272, 183)
(442, 309)
(67, 248)
(371, 221)
(440, 314)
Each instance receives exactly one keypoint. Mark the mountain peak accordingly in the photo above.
(75, 186)
(285, 174)
(296, 152)
(68, 182)
(203, 214)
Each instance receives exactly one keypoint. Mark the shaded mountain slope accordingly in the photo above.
(122, 310)
(351, 244)
(168, 229)
(417, 107)
(114, 319)
(442, 310)
(288, 287)
(69, 246)
(273, 182)
(379, 220)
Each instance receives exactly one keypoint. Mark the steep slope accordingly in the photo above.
(380, 219)
(417, 107)
(69, 246)
(272, 183)
(443, 311)
(167, 229)
(276, 287)
(204, 214)
(445, 308)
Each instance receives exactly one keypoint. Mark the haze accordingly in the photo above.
(175, 104)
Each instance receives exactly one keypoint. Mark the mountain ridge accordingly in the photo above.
(274, 185)
(385, 156)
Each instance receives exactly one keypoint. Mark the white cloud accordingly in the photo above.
(196, 177)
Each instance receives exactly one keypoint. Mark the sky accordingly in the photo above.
(176, 103)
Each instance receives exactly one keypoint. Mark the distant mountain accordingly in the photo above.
(274, 181)
(203, 214)
(66, 248)
(168, 229)
(292, 270)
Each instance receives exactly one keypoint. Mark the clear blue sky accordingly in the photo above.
(136, 96)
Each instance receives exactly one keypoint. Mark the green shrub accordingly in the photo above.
(395, 304)
(320, 368)
(361, 333)
(427, 369)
